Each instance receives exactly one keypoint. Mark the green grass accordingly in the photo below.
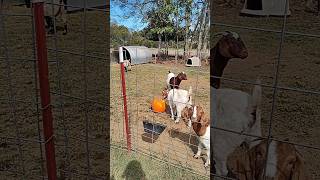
(136, 166)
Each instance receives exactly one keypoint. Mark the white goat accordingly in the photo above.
(179, 99)
(236, 111)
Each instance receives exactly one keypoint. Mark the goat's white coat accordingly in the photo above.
(272, 160)
(204, 144)
(231, 110)
(194, 116)
(179, 99)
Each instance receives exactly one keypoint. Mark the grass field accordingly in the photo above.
(137, 166)
(176, 144)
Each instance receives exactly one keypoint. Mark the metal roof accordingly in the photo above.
(138, 54)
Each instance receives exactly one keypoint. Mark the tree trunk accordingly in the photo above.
(206, 32)
(201, 30)
(186, 38)
(159, 45)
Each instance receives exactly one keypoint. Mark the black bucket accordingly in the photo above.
(152, 131)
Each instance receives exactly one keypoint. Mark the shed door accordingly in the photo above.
(189, 61)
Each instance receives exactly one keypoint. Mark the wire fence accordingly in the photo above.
(279, 121)
(76, 146)
(177, 144)
(54, 100)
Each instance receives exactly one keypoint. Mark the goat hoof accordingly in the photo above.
(196, 156)
(206, 165)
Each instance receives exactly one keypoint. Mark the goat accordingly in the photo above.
(194, 113)
(284, 162)
(236, 111)
(230, 109)
(179, 99)
(52, 11)
(228, 47)
(174, 81)
(201, 128)
(127, 65)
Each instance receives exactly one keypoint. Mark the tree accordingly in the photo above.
(120, 35)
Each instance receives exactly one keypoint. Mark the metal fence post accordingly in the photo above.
(125, 106)
(38, 10)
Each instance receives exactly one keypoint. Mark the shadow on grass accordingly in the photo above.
(185, 137)
(150, 138)
(134, 171)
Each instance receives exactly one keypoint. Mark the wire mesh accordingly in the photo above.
(78, 77)
(269, 59)
(177, 144)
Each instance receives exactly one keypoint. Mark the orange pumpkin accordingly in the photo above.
(158, 105)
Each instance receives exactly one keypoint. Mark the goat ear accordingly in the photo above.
(299, 171)
(258, 155)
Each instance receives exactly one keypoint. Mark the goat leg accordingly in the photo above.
(208, 159)
(189, 123)
(179, 110)
(197, 155)
(171, 109)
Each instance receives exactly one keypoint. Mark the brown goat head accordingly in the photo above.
(200, 122)
(232, 46)
(287, 163)
(182, 76)
(229, 46)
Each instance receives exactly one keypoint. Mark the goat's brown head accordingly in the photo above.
(182, 76)
(229, 46)
(199, 121)
(283, 162)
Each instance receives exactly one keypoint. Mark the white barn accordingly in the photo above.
(265, 8)
(136, 54)
(193, 61)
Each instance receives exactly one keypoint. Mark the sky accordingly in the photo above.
(117, 15)
(134, 23)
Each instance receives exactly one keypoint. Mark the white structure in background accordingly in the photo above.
(135, 54)
(265, 7)
(193, 61)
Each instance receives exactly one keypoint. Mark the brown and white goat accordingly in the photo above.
(200, 125)
(229, 46)
(284, 162)
(231, 109)
(174, 81)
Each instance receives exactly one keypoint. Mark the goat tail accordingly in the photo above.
(257, 94)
